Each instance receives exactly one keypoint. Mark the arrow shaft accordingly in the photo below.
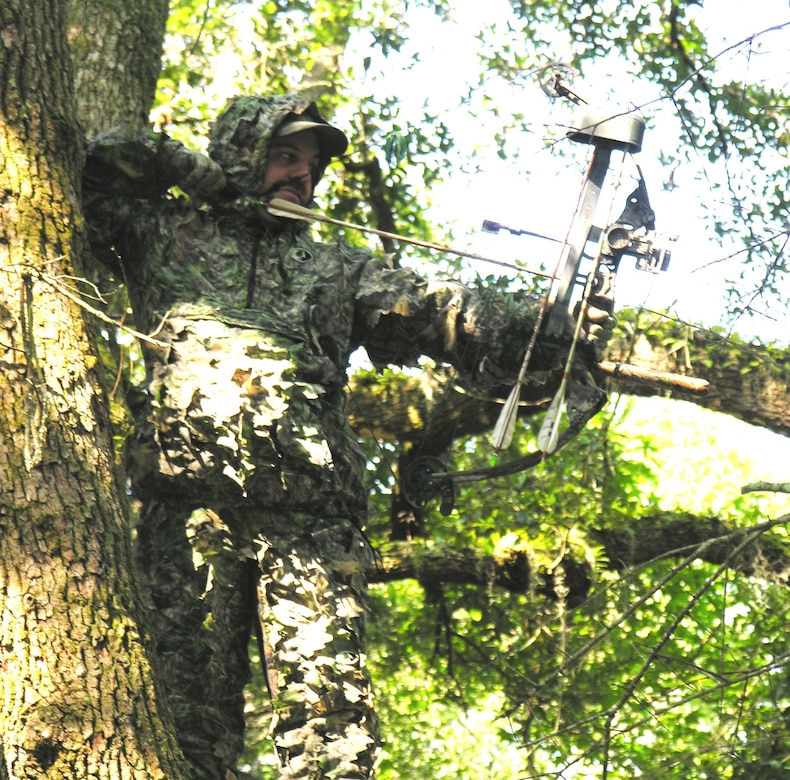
(284, 208)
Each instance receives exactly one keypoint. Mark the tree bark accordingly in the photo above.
(651, 538)
(746, 381)
(116, 49)
(78, 693)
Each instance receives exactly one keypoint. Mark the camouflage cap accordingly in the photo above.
(242, 134)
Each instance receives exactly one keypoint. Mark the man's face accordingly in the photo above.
(290, 168)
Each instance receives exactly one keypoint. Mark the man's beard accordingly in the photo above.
(297, 186)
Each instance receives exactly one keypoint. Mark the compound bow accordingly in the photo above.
(632, 233)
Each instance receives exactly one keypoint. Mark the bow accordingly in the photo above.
(606, 133)
(632, 233)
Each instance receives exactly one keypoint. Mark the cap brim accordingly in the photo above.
(333, 141)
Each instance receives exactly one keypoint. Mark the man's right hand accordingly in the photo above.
(196, 173)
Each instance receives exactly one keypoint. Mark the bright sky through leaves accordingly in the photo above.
(535, 189)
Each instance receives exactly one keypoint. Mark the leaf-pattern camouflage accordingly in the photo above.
(249, 474)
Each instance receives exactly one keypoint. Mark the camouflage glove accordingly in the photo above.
(124, 161)
(142, 163)
(599, 322)
(598, 327)
(195, 173)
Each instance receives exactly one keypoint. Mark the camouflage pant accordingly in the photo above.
(309, 610)
(312, 610)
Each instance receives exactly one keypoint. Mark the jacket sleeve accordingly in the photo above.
(140, 163)
(128, 173)
(482, 333)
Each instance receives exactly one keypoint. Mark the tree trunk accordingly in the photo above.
(116, 50)
(78, 696)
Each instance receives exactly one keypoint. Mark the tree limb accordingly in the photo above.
(651, 538)
(747, 381)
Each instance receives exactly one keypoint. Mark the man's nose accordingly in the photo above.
(301, 170)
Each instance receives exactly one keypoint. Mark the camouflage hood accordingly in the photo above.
(242, 133)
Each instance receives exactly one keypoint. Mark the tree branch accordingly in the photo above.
(746, 381)
(652, 538)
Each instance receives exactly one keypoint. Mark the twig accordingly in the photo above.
(51, 280)
(766, 487)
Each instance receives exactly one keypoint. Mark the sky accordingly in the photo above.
(437, 65)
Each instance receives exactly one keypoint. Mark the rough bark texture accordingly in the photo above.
(77, 697)
(116, 50)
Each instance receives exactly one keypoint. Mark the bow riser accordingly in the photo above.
(606, 132)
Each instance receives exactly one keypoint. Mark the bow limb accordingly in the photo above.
(604, 132)
(578, 236)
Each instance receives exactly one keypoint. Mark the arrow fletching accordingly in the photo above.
(550, 430)
(284, 208)
(502, 434)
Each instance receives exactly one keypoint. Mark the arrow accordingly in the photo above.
(278, 207)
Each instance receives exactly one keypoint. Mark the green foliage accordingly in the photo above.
(672, 668)
(652, 672)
